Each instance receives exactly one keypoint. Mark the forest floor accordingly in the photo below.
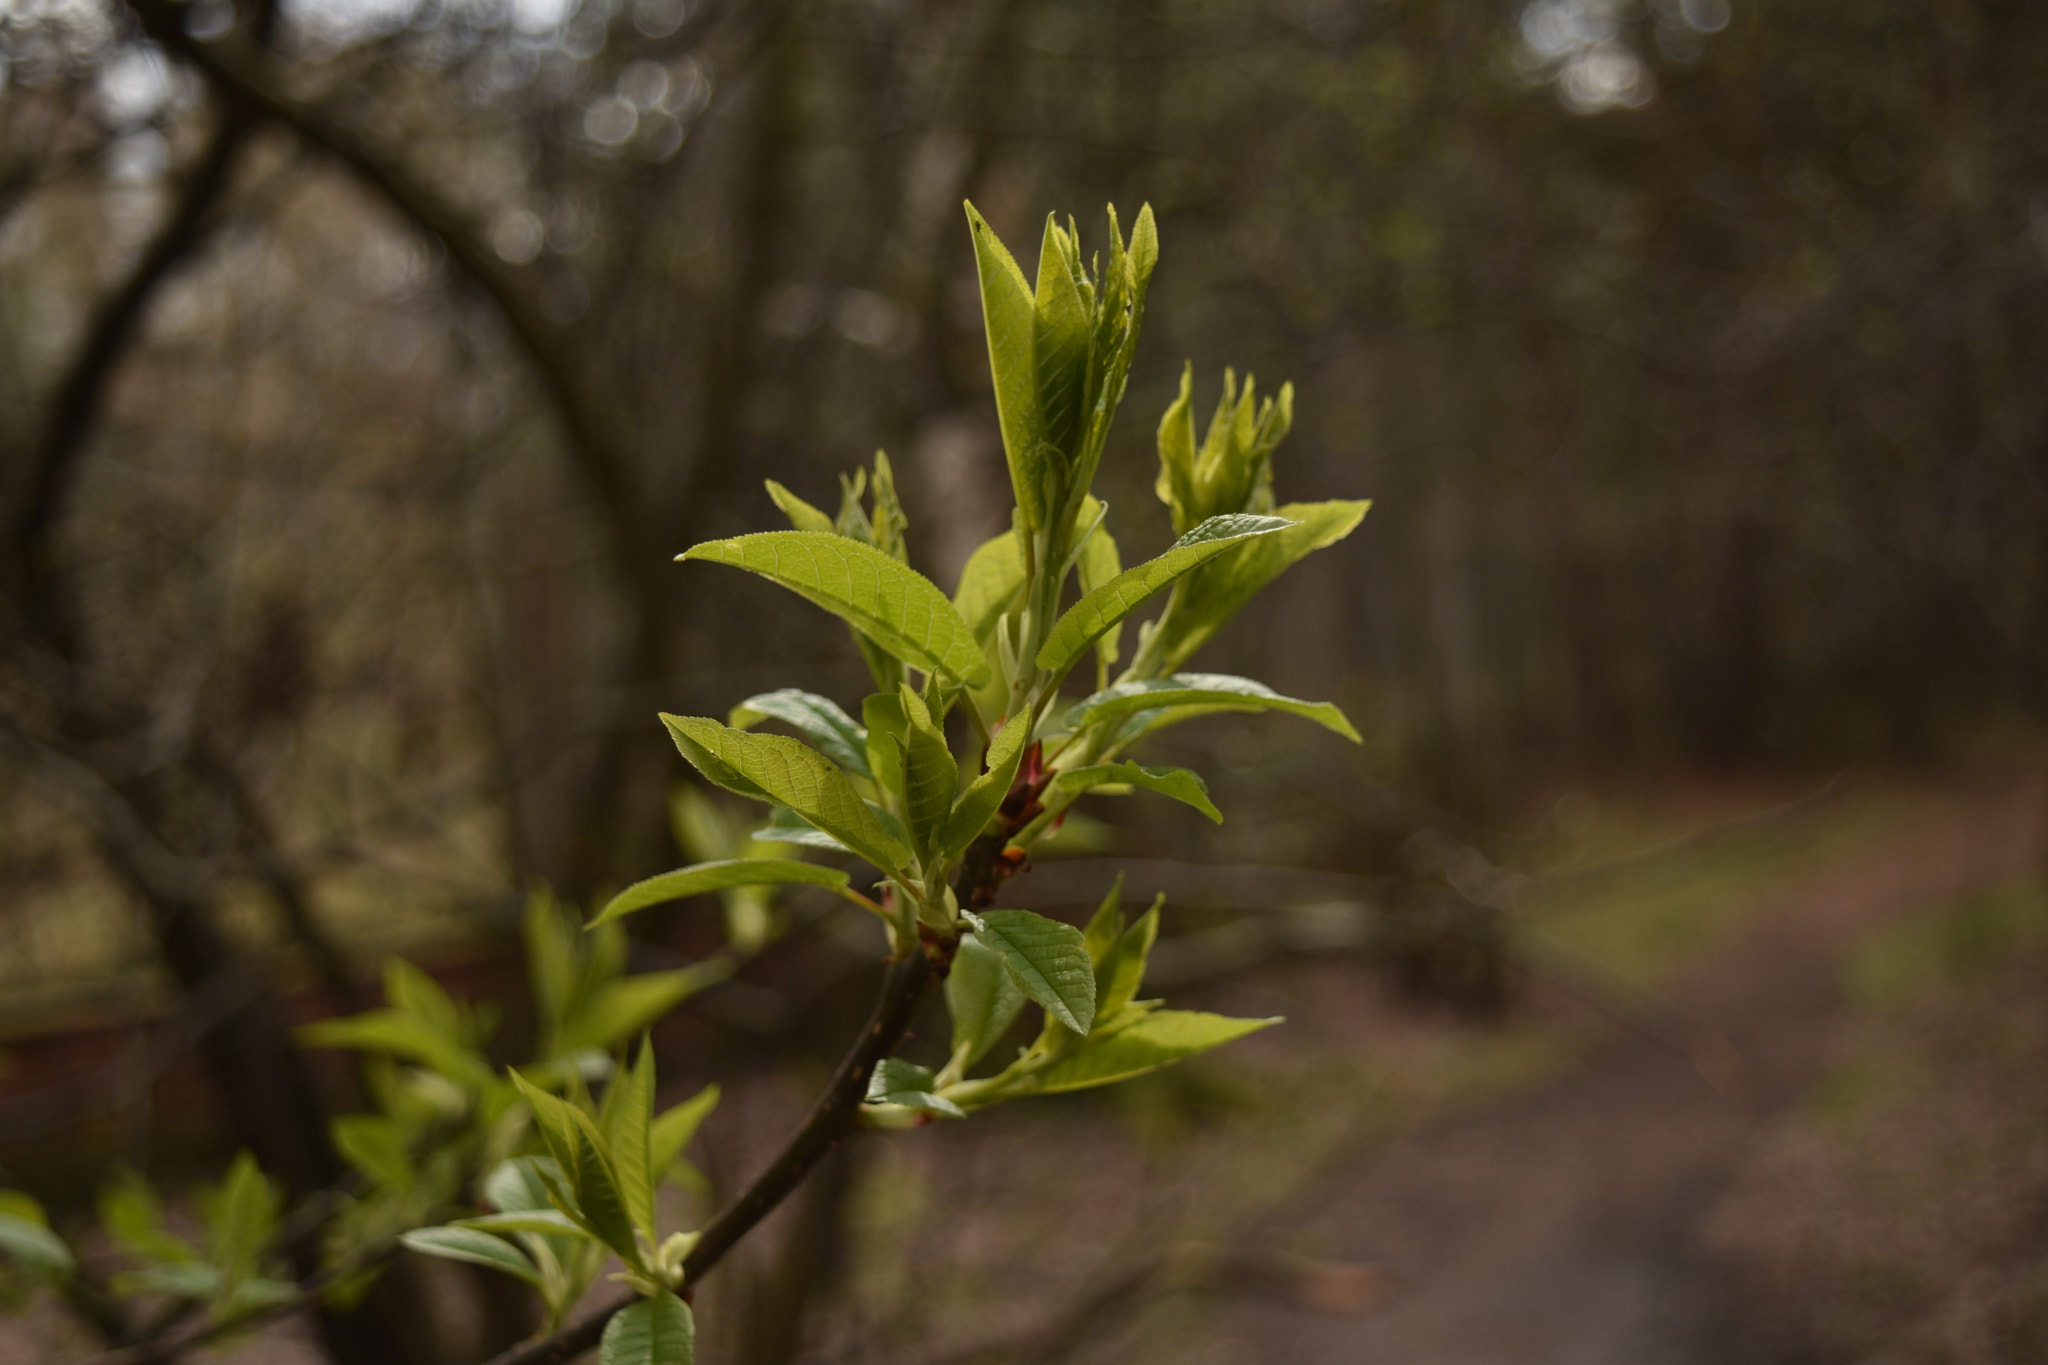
(1845, 1157)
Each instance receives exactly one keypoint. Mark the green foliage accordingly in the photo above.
(962, 759)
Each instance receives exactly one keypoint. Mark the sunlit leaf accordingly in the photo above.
(835, 734)
(785, 826)
(1215, 592)
(896, 606)
(1048, 959)
(1097, 611)
(628, 1112)
(1099, 563)
(1207, 692)
(547, 1222)
(1179, 783)
(477, 1248)
(990, 582)
(1010, 315)
(1061, 326)
(802, 516)
(794, 775)
(703, 877)
(656, 1331)
(1157, 1040)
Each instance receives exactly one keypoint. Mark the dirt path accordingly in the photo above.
(1562, 1227)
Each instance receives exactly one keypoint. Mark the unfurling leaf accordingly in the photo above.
(1097, 611)
(1011, 317)
(1179, 783)
(802, 516)
(1212, 594)
(982, 998)
(1099, 563)
(930, 776)
(1158, 1039)
(656, 1331)
(1185, 695)
(891, 603)
(984, 795)
(627, 1114)
(990, 582)
(907, 1084)
(794, 775)
(836, 734)
(703, 877)
(1048, 959)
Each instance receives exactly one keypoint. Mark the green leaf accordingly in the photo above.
(1157, 1040)
(552, 956)
(477, 1248)
(990, 582)
(241, 1216)
(835, 733)
(406, 1036)
(411, 991)
(29, 1241)
(1048, 959)
(374, 1145)
(891, 603)
(176, 1279)
(1097, 611)
(1179, 783)
(656, 1331)
(1119, 986)
(930, 776)
(703, 877)
(793, 775)
(801, 514)
(785, 826)
(581, 1155)
(627, 1115)
(1098, 564)
(906, 1083)
(1011, 317)
(547, 1222)
(1061, 331)
(887, 730)
(675, 1127)
(133, 1217)
(623, 1007)
(516, 1186)
(1214, 593)
(982, 998)
(984, 795)
(1204, 694)
(1176, 482)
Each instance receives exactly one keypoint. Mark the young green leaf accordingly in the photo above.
(675, 1127)
(624, 1006)
(133, 1217)
(553, 957)
(1105, 930)
(477, 1248)
(1048, 959)
(599, 1197)
(820, 720)
(1061, 330)
(1097, 611)
(801, 514)
(627, 1114)
(375, 1145)
(1203, 694)
(26, 1237)
(984, 795)
(241, 1216)
(1099, 563)
(1176, 482)
(517, 1185)
(1213, 593)
(930, 775)
(982, 998)
(1118, 986)
(1158, 1039)
(656, 1331)
(547, 1222)
(793, 775)
(411, 991)
(906, 1083)
(891, 603)
(1011, 315)
(1179, 783)
(696, 880)
(405, 1036)
(785, 826)
(990, 582)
